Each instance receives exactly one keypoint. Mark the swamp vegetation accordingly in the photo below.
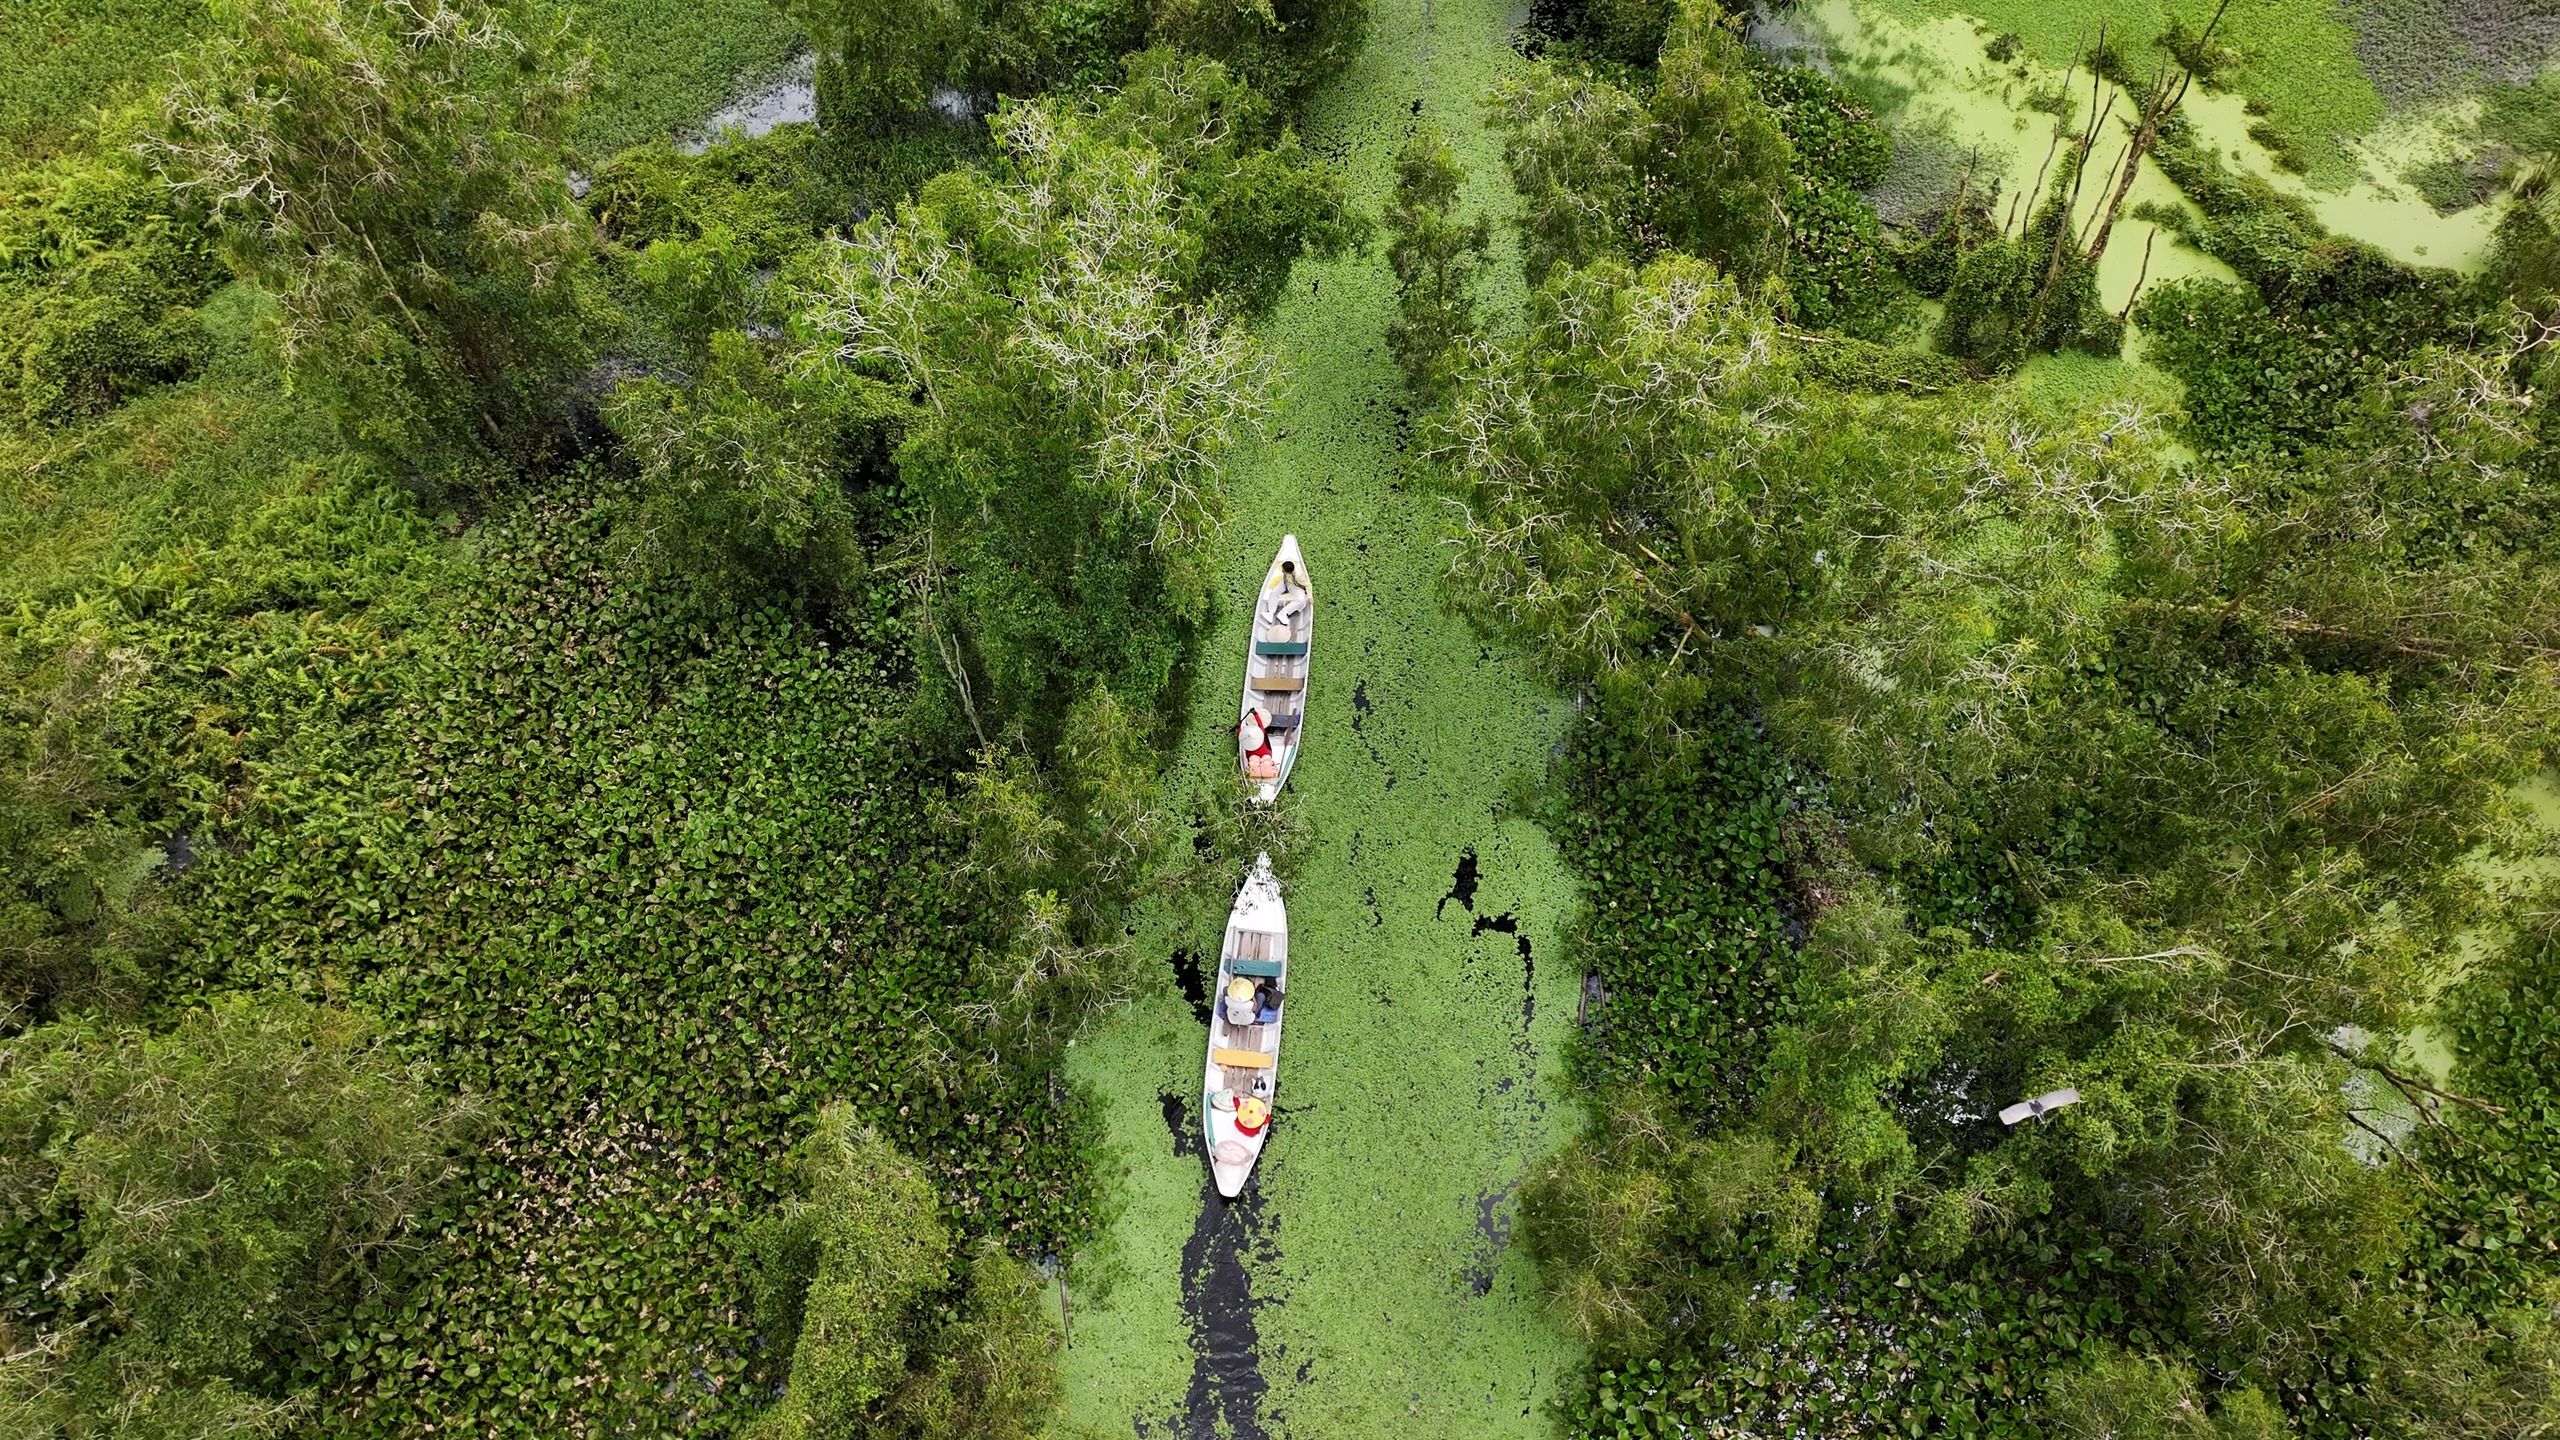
(586, 721)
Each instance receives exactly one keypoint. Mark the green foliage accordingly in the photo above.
(2310, 66)
(1837, 266)
(1835, 140)
(1627, 32)
(752, 466)
(397, 176)
(1438, 263)
(98, 288)
(1075, 408)
(2032, 294)
(1848, 363)
(881, 57)
(2488, 1231)
(2199, 757)
(770, 196)
(2282, 368)
(666, 65)
(2261, 379)
(188, 1216)
(1719, 158)
(1575, 146)
(1644, 480)
(1283, 48)
(195, 587)
(2526, 263)
(1062, 847)
(2142, 1397)
(1616, 1219)
(1673, 821)
(1837, 270)
(880, 62)
(71, 66)
(887, 1337)
(1250, 200)
(1753, 166)
(80, 919)
(1928, 260)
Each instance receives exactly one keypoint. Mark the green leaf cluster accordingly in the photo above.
(887, 1330)
(1074, 405)
(397, 176)
(656, 869)
(1714, 152)
(1438, 262)
(1250, 201)
(186, 1216)
(879, 63)
(99, 283)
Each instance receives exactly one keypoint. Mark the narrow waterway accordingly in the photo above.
(1366, 1285)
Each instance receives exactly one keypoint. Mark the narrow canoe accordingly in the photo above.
(1243, 1063)
(1276, 666)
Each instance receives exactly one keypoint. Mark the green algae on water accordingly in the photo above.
(2298, 57)
(1421, 1075)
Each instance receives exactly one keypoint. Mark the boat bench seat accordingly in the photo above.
(1244, 1059)
(1278, 683)
(1279, 647)
(1260, 969)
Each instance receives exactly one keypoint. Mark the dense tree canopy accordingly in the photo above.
(396, 176)
(1075, 406)
(2154, 780)
(226, 1190)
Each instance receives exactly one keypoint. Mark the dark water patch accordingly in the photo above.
(1377, 918)
(1509, 924)
(1495, 1215)
(1361, 708)
(1188, 1143)
(1462, 886)
(1191, 972)
(1227, 1385)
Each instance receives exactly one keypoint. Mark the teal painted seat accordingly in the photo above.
(1255, 969)
(1280, 647)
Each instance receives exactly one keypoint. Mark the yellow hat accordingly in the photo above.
(1239, 989)
(1251, 1113)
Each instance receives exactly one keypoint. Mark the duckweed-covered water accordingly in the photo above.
(1365, 1286)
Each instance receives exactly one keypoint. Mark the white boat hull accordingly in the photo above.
(1257, 937)
(1277, 661)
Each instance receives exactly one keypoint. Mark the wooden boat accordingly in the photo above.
(1244, 1058)
(1275, 673)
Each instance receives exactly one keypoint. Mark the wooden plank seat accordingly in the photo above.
(1257, 969)
(1280, 647)
(1244, 1059)
(1279, 684)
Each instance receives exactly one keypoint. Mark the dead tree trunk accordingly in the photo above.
(2157, 107)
